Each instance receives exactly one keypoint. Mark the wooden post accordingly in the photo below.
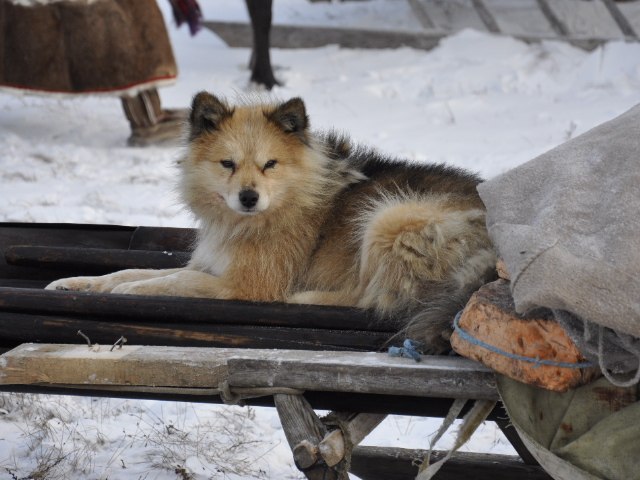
(303, 430)
(333, 447)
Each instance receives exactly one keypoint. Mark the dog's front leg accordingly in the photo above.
(182, 283)
(344, 298)
(106, 283)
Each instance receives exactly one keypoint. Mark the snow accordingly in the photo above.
(477, 101)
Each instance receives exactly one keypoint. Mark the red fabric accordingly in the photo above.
(187, 11)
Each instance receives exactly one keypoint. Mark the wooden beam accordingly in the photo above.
(485, 15)
(557, 25)
(376, 463)
(23, 328)
(419, 10)
(158, 310)
(92, 260)
(237, 34)
(206, 367)
(622, 22)
(303, 428)
(434, 376)
(333, 447)
(288, 36)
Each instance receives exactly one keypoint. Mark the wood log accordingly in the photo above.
(302, 427)
(434, 376)
(85, 236)
(366, 403)
(92, 260)
(163, 238)
(158, 310)
(377, 463)
(490, 317)
(23, 328)
(292, 36)
(332, 448)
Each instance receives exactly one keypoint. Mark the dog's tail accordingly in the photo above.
(430, 321)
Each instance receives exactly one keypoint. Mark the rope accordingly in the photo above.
(492, 348)
(236, 395)
(409, 349)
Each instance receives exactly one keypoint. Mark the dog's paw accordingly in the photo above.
(76, 284)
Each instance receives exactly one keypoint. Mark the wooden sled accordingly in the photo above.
(296, 358)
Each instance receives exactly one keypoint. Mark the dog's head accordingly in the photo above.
(245, 157)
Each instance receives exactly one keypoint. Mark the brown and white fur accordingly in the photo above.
(287, 214)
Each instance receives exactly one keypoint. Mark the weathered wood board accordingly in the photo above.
(490, 317)
(171, 367)
(434, 376)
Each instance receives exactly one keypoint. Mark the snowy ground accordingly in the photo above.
(477, 101)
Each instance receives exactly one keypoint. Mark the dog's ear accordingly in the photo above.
(291, 116)
(207, 112)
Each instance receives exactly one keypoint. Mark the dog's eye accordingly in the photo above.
(228, 164)
(269, 164)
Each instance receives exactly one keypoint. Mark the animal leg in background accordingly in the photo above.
(260, 63)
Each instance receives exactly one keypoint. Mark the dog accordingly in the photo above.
(290, 215)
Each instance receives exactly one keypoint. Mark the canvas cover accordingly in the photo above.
(116, 47)
(590, 433)
(567, 225)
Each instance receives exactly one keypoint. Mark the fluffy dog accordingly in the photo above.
(287, 214)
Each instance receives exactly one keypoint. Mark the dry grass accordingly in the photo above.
(60, 443)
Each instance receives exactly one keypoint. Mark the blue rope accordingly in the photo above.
(537, 361)
(409, 349)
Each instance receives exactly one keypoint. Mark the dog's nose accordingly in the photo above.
(249, 198)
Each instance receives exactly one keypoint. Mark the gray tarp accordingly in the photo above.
(567, 225)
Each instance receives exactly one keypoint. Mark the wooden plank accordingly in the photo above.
(453, 17)
(376, 463)
(163, 238)
(65, 234)
(207, 367)
(366, 403)
(485, 15)
(289, 36)
(435, 376)
(20, 328)
(239, 35)
(92, 260)
(622, 22)
(586, 19)
(158, 310)
(558, 26)
(420, 11)
(92, 236)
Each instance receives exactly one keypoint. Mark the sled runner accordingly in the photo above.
(296, 358)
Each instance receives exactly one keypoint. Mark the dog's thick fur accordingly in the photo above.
(290, 215)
